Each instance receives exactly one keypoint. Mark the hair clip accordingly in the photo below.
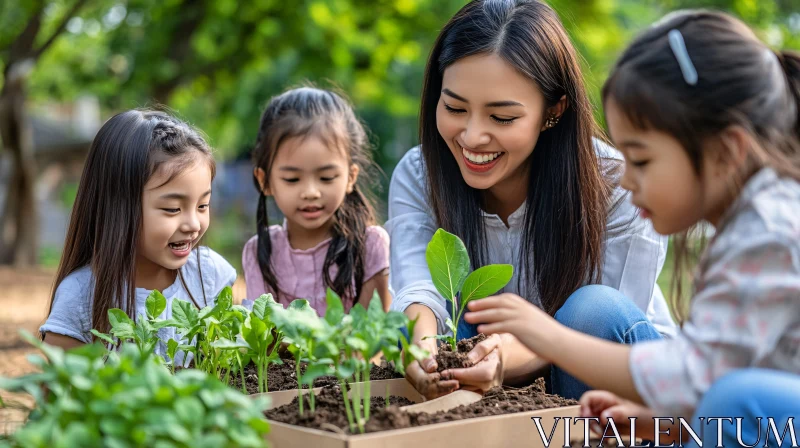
(678, 46)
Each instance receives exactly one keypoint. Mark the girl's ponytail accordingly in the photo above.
(264, 249)
(790, 60)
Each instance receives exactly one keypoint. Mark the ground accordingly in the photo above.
(24, 301)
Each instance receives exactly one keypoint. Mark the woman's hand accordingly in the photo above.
(509, 313)
(487, 371)
(424, 377)
(606, 405)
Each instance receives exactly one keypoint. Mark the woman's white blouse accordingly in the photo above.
(634, 252)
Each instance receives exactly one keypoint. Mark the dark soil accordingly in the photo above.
(446, 358)
(284, 377)
(496, 401)
(330, 412)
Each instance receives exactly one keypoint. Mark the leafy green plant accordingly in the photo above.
(261, 338)
(308, 336)
(129, 399)
(342, 345)
(144, 331)
(449, 264)
(214, 334)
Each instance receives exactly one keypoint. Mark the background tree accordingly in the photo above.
(217, 62)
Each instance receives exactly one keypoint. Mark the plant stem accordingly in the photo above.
(265, 377)
(367, 394)
(355, 397)
(299, 384)
(260, 378)
(347, 410)
(241, 372)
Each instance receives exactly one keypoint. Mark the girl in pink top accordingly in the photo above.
(312, 157)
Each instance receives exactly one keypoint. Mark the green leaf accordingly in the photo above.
(102, 336)
(448, 263)
(375, 311)
(315, 371)
(155, 304)
(485, 281)
(299, 304)
(357, 344)
(172, 349)
(262, 304)
(225, 298)
(184, 314)
(229, 344)
(335, 309)
(117, 317)
(122, 326)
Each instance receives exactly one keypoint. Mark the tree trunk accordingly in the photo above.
(19, 226)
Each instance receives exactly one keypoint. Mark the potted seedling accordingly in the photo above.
(449, 265)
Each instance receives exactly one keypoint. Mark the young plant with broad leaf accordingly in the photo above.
(310, 340)
(359, 337)
(144, 330)
(449, 264)
(261, 338)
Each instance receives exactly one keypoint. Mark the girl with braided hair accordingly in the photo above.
(141, 209)
(312, 157)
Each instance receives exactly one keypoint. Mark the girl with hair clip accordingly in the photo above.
(312, 157)
(513, 163)
(708, 118)
(141, 210)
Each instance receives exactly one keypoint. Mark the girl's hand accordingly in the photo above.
(509, 313)
(487, 372)
(424, 377)
(606, 405)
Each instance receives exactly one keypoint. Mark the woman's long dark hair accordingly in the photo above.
(310, 111)
(568, 195)
(741, 82)
(106, 222)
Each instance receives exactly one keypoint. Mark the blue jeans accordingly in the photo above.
(749, 394)
(596, 310)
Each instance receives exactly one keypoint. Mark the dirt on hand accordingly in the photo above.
(446, 358)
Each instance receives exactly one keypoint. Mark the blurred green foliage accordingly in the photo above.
(217, 62)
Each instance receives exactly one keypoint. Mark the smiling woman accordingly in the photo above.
(513, 163)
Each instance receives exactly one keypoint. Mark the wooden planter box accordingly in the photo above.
(511, 430)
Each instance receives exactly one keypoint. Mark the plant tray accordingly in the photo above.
(510, 430)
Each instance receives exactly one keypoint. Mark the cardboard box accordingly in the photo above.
(511, 430)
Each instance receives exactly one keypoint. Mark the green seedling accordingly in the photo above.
(358, 337)
(449, 264)
(261, 339)
(144, 331)
(303, 330)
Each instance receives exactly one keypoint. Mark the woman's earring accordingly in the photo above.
(552, 120)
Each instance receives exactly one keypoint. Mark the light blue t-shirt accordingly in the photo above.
(72, 305)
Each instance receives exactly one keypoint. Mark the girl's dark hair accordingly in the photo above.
(568, 195)
(304, 112)
(741, 82)
(106, 222)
